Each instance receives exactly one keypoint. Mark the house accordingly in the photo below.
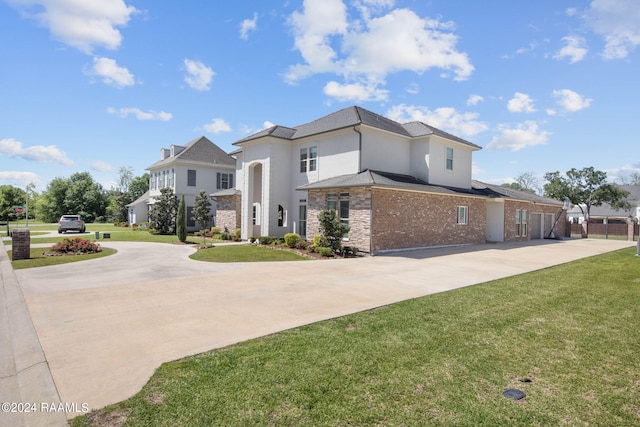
(395, 185)
(606, 214)
(198, 165)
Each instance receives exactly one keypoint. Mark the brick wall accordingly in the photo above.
(403, 219)
(228, 213)
(531, 208)
(20, 244)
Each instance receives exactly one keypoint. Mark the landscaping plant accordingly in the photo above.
(181, 221)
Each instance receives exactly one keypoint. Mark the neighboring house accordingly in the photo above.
(198, 165)
(606, 213)
(395, 185)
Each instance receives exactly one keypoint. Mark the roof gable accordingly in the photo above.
(200, 150)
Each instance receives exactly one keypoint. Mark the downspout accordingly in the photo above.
(355, 128)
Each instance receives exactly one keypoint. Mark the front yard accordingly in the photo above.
(567, 336)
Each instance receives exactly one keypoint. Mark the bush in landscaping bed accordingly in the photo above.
(75, 245)
(291, 239)
(324, 251)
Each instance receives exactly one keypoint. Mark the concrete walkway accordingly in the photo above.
(107, 324)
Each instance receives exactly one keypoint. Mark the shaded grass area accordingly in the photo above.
(38, 259)
(244, 253)
(443, 360)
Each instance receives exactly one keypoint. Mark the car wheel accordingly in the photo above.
(59, 231)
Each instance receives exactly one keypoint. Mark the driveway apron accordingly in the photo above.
(105, 325)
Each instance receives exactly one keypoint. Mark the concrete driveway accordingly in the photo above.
(105, 325)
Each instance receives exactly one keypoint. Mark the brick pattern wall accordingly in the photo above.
(510, 208)
(359, 214)
(403, 219)
(21, 244)
(228, 213)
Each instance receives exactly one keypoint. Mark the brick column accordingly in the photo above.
(21, 244)
(631, 228)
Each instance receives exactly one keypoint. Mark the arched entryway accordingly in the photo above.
(255, 200)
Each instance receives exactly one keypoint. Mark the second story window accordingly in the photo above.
(308, 159)
(449, 159)
(170, 178)
(191, 177)
(224, 181)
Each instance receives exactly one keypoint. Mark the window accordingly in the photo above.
(463, 215)
(152, 181)
(309, 159)
(224, 181)
(449, 159)
(341, 206)
(521, 223)
(256, 214)
(303, 160)
(191, 222)
(302, 217)
(170, 178)
(162, 176)
(332, 201)
(191, 177)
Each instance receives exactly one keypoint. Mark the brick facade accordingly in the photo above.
(228, 213)
(510, 207)
(404, 219)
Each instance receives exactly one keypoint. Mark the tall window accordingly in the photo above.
(152, 181)
(302, 217)
(341, 206)
(191, 177)
(224, 181)
(309, 159)
(463, 215)
(162, 178)
(191, 222)
(449, 159)
(521, 223)
(170, 178)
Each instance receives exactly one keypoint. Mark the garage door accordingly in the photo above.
(536, 226)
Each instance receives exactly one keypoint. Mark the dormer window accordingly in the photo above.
(449, 163)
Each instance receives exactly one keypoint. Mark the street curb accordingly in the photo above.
(25, 378)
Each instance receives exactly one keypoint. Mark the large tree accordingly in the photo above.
(10, 198)
(585, 188)
(162, 216)
(138, 186)
(526, 181)
(78, 194)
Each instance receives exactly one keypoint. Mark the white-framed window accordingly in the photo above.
(449, 162)
(521, 223)
(308, 159)
(162, 176)
(224, 181)
(340, 204)
(463, 215)
(170, 178)
(152, 181)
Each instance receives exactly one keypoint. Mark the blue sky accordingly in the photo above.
(96, 85)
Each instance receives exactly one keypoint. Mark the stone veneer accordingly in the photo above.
(20, 244)
(228, 213)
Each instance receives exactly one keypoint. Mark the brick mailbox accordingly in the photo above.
(21, 244)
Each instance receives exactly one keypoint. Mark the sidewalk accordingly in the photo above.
(107, 324)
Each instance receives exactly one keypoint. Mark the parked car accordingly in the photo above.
(71, 222)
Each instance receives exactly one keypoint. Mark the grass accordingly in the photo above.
(118, 234)
(445, 359)
(244, 253)
(38, 259)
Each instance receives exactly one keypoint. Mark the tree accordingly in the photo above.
(632, 179)
(332, 229)
(526, 181)
(138, 186)
(202, 212)
(162, 216)
(10, 197)
(85, 197)
(585, 188)
(120, 197)
(181, 221)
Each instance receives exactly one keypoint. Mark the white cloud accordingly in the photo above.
(571, 11)
(571, 101)
(39, 153)
(355, 92)
(199, 76)
(248, 25)
(524, 135)
(80, 23)
(267, 124)
(365, 50)
(217, 126)
(140, 115)
(413, 89)
(111, 73)
(474, 100)
(101, 166)
(520, 103)
(21, 179)
(574, 49)
(618, 21)
(445, 118)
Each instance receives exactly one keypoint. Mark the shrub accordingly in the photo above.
(291, 239)
(237, 235)
(75, 245)
(324, 251)
(265, 240)
(225, 236)
(215, 230)
(332, 229)
(252, 239)
(302, 244)
(320, 240)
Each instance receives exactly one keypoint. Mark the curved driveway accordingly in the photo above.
(105, 325)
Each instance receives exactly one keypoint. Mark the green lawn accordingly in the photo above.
(244, 253)
(37, 259)
(571, 331)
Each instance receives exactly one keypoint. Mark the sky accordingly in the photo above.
(95, 85)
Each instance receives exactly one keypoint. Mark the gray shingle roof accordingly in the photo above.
(349, 117)
(199, 150)
(495, 191)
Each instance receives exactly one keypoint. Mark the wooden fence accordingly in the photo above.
(606, 230)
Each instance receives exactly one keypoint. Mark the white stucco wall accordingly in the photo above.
(384, 151)
(420, 158)
(460, 176)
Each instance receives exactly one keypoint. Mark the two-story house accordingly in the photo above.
(395, 185)
(198, 165)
